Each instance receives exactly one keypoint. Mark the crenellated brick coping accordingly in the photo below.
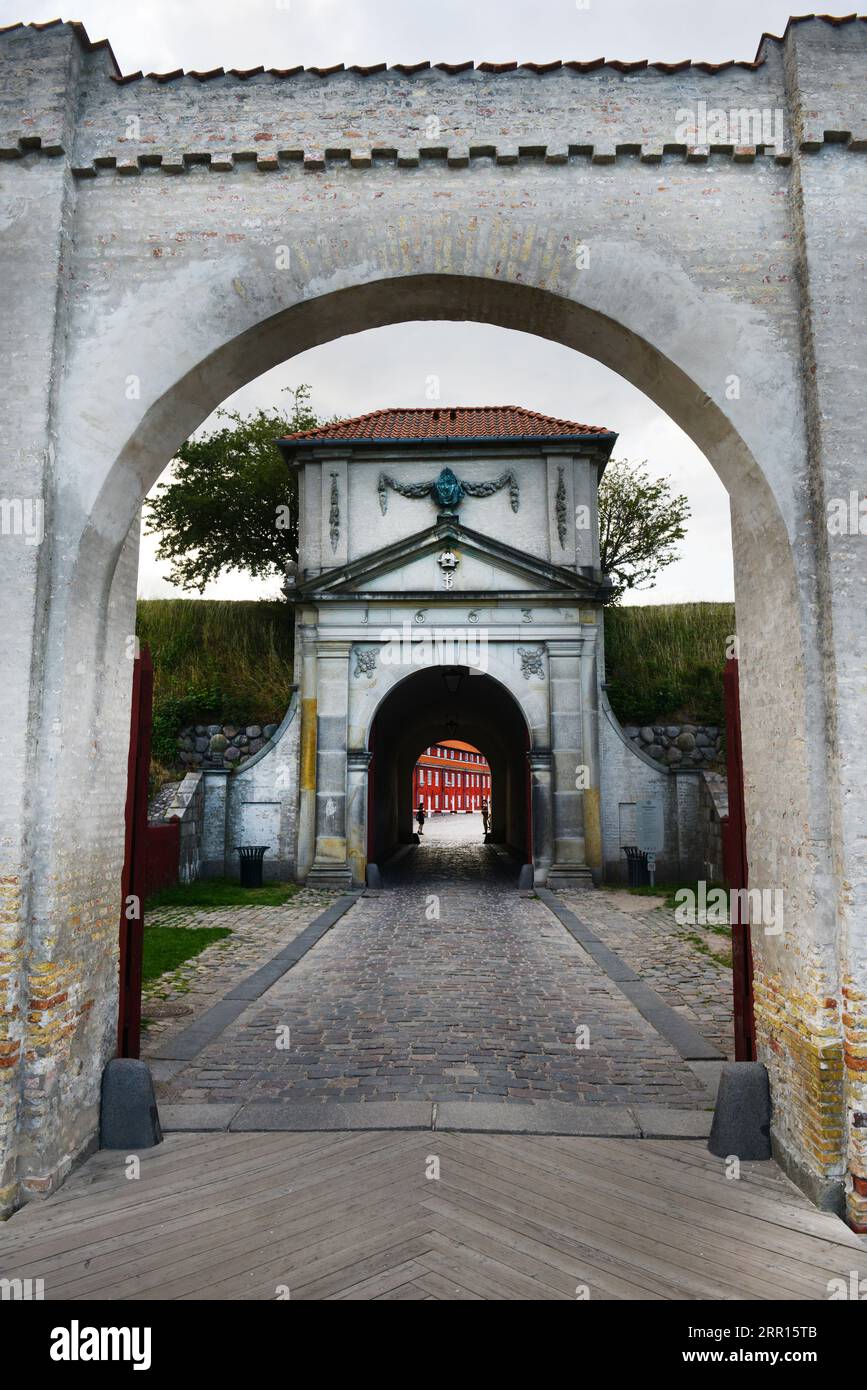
(758, 84)
(318, 161)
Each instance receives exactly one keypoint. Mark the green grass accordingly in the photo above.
(221, 892)
(165, 948)
(694, 889)
(665, 891)
(698, 944)
(657, 890)
(665, 661)
(668, 892)
(215, 662)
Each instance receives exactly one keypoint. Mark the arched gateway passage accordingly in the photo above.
(454, 703)
(243, 228)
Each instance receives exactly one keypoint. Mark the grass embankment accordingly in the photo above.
(215, 662)
(664, 662)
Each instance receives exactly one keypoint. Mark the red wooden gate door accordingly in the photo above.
(135, 858)
(736, 871)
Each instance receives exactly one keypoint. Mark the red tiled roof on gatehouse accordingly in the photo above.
(417, 424)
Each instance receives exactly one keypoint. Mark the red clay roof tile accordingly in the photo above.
(448, 422)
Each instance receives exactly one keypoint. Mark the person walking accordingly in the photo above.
(484, 816)
(421, 817)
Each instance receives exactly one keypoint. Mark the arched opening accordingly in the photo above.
(451, 787)
(206, 343)
(447, 702)
(635, 350)
(622, 322)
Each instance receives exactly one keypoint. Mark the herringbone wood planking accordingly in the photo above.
(352, 1216)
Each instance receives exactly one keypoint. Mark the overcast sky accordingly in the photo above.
(160, 35)
(477, 364)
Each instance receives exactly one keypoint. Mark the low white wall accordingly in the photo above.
(255, 805)
(188, 805)
(646, 805)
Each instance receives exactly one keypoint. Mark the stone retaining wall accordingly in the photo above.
(221, 745)
(678, 745)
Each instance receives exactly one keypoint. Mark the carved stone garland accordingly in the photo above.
(560, 507)
(334, 513)
(448, 491)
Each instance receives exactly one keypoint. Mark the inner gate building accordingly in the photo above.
(448, 585)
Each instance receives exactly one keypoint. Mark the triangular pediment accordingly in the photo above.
(409, 569)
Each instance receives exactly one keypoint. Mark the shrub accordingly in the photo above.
(170, 715)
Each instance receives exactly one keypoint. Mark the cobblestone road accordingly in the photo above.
(448, 986)
(689, 967)
(175, 999)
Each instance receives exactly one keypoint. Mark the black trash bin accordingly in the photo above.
(636, 864)
(251, 864)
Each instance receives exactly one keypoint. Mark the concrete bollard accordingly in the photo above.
(742, 1119)
(128, 1117)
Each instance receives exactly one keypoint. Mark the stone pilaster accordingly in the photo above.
(541, 810)
(330, 867)
(567, 739)
(358, 763)
(591, 792)
(306, 657)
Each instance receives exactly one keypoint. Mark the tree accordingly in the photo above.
(640, 523)
(231, 502)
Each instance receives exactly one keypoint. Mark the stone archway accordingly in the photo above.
(420, 710)
(161, 293)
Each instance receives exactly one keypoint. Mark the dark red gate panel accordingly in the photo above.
(162, 856)
(736, 870)
(133, 879)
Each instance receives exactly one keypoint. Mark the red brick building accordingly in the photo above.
(451, 776)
